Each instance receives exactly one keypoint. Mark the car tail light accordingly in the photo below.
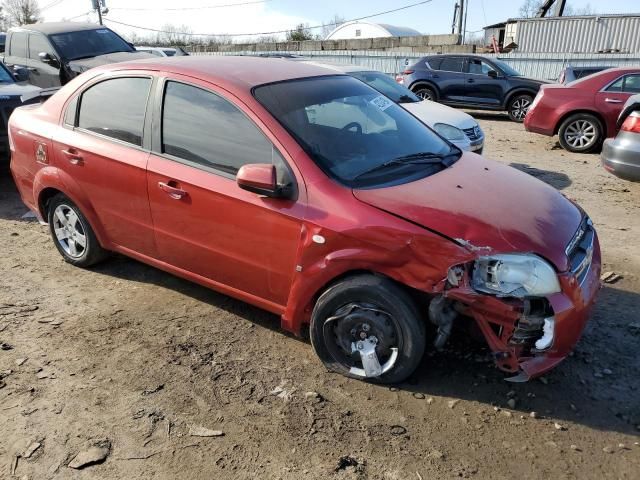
(408, 72)
(536, 100)
(400, 79)
(632, 123)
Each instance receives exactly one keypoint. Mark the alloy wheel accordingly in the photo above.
(520, 108)
(581, 134)
(425, 95)
(363, 338)
(69, 231)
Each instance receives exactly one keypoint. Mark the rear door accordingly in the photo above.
(610, 100)
(204, 223)
(42, 74)
(103, 149)
(450, 78)
(482, 89)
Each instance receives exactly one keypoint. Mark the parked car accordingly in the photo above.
(163, 51)
(583, 113)
(56, 52)
(621, 156)
(570, 74)
(472, 81)
(11, 91)
(259, 178)
(458, 127)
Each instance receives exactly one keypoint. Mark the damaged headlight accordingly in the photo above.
(514, 275)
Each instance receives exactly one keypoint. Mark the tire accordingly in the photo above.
(378, 306)
(581, 133)
(519, 106)
(426, 93)
(75, 239)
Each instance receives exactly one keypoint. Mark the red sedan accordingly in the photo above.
(583, 113)
(307, 193)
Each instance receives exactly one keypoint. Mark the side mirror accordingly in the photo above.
(259, 178)
(45, 57)
(492, 74)
(21, 74)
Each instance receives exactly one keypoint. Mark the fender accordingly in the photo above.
(409, 264)
(52, 177)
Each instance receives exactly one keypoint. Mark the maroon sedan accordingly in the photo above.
(583, 113)
(309, 194)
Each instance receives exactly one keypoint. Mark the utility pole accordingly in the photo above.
(461, 19)
(97, 5)
(455, 16)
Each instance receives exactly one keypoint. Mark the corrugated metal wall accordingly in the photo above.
(579, 34)
(546, 66)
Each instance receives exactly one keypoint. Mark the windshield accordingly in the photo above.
(506, 69)
(5, 76)
(169, 53)
(356, 135)
(89, 43)
(387, 86)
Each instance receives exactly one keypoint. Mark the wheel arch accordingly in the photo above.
(517, 91)
(425, 83)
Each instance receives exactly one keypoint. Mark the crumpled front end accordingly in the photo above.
(528, 335)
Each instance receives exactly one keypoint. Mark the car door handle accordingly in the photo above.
(612, 100)
(73, 156)
(471, 80)
(173, 192)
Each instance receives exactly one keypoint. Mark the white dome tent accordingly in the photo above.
(361, 29)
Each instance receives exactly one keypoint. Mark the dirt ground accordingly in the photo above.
(135, 361)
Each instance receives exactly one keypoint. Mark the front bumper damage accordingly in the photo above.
(527, 337)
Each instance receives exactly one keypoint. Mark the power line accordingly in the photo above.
(267, 33)
(55, 3)
(192, 8)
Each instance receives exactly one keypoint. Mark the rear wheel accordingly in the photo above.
(581, 133)
(368, 327)
(72, 233)
(518, 107)
(426, 93)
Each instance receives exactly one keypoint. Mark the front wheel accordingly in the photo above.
(518, 107)
(426, 93)
(369, 328)
(580, 133)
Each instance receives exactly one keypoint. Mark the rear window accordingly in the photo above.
(434, 63)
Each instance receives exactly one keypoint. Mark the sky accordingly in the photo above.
(434, 17)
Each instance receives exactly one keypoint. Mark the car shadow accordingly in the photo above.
(489, 115)
(558, 180)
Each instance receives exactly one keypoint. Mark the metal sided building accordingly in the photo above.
(575, 34)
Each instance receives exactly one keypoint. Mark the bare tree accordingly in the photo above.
(21, 12)
(529, 8)
(331, 25)
(174, 35)
(586, 10)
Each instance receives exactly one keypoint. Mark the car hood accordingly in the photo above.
(17, 89)
(431, 113)
(87, 63)
(487, 207)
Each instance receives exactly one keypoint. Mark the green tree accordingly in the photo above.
(300, 34)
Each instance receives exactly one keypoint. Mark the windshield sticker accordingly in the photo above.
(102, 30)
(381, 102)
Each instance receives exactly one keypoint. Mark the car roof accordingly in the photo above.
(241, 72)
(338, 67)
(49, 28)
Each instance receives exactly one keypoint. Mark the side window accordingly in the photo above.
(478, 67)
(616, 86)
(452, 64)
(38, 44)
(116, 108)
(434, 63)
(204, 128)
(632, 84)
(18, 46)
(70, 114)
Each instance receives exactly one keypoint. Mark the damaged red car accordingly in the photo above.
(309, 194)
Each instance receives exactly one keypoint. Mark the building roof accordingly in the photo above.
(392, 30)
(49, 28)
(238, 72)
(565, 17)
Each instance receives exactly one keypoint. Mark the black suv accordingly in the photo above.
(56, 52)
(472, 81)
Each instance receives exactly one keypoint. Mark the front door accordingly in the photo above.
(611, 100)
(42, 74)
(481, 87)
(204, 223)
(101, 147)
